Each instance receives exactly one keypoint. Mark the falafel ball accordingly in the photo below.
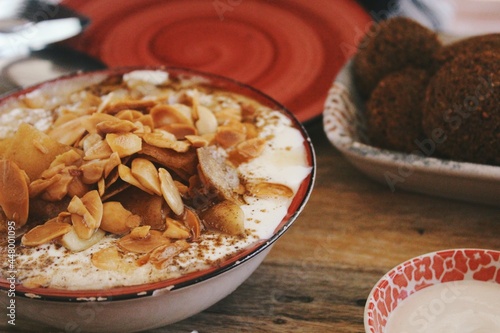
(463, 101)
(391, 46)
(394, 110)
(468, 46)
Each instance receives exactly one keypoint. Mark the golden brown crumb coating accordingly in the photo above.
(468, 46)
(463, 100)
(391, 46)
(394, 110)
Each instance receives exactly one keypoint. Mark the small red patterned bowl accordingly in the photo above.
(425, 271)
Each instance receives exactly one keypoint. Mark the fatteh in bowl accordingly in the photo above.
(134, 183)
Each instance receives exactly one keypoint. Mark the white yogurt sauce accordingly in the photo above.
(452, 307)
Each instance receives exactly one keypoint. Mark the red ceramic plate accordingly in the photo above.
(289, 49)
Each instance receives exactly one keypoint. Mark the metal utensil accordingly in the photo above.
(27, 25)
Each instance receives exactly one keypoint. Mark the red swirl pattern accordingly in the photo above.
(289, 49)
(425, 271)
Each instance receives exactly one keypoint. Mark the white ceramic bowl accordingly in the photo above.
(345, 126)
(135, 308)
(424, 271)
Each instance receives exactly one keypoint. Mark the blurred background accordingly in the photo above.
(289, 49)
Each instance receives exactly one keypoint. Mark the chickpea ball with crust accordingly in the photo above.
(391, 46)
(469, 47)
(394, 110)
(463, 100)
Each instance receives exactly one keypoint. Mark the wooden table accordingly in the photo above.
(352, 231)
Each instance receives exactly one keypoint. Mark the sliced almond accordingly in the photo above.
(229, 136)
(206, 123)
(45, 233)
(225, 216)
(166, 140)
(145, 172)
(14, 192)
(247, 150)
(180, 130)
(115, 126)
(197, 141)
(170, 192)
(143, 245)
(140, 232)
(90, 123)
(161, 255)
(117, 220)
(169, 114)
(176, 230)
(193, 222)
(269, 190)
(125, 144)
(74, 243)
(111, 259)
(71, 157)
(86, 214)
(126, 175)
(69, 132)
(100, 150)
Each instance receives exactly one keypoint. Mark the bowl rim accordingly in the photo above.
(150, 289)
(390, 274)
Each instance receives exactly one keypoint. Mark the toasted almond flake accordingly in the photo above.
(143, 245)
(86, 213)
(74, 243)
(40, 146)
(45, 233)
(124, 144)
(161, 255)
(71, 157)
(112, 162)
(130, 115)
(93, 203)
(247, 150)
(225, 216)
(117, 220)
(59, 189)
(77, 187)
(139, 105)
(193, 222)
(90, 123)
(145, 172)
(92, 171)
(267, 190)
(170, 192)
(164, 114)
(175, 229)
(166, 140)
(180, 130)
(69, 132)
(197, 141)
(38, 186)
(116, 126)
(206, 123)
(140, 232)
(126, 175)
(100, 150)
(229, 136)
(110, 259)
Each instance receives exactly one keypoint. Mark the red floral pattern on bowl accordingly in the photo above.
(424, 271)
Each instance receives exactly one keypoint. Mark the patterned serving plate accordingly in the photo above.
(425, 271)
(344, 124)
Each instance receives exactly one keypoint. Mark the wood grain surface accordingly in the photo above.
(352, 231)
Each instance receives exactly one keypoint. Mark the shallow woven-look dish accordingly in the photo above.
(424, 271)
(344, 124)
(140, 307)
